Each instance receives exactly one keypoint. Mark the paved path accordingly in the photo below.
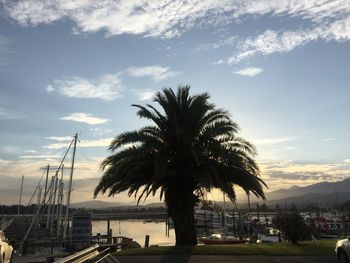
(201, 259)
(226, 259)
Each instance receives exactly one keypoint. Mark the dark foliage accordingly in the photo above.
(293, 226)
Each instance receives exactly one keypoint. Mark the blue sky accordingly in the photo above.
(281, 68)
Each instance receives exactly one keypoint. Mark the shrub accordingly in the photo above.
(293, 226)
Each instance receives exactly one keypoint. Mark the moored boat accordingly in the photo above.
(221, 239)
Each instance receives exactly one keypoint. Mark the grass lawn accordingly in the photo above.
(307, 248)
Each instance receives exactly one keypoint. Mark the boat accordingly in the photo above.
(327, 227)
(222, 239)
(270, 235)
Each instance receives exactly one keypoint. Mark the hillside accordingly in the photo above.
(319, 188)
(95, 204)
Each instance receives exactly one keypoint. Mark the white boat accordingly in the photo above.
(270, 235)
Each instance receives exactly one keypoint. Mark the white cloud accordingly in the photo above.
(39, 156)
(151, 19)
(60, 138)
(84, 118)
(157, 73)
(275, 140)
(347, 161)
(50, 88)
(290, 148)
(321, 20)
(98, 131)
(145, 94)
(271, 41)
(31, 151)
(107, 87)
(7, 114)
(165, 18)
(329, 139)
(105, 142)
(222, 42)
(250, 71)
(221, 61)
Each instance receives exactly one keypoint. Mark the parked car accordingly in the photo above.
(6, 250)
(342, 249)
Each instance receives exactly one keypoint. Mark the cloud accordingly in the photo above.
(50, 88)
(250, 71)
(165, 18)
(271, 41)
(157, 73)
(105, 142)
(84, 118)
(31, 151)
(267, 141)
(219, 62)
(7, 114)
(222, 42)
(145, 94)
(39, 156)
(284, 174)
(60, 138)
(4, 49)
(306, 175)
(87, 174)
(9, 149)
(151, 19)
(98, 131)
(347, 161)
(11, 172)
(290, 148)
(329, 139)
(107, 87)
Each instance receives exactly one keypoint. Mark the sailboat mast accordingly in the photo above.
(59, 223)
(70, 186)
(20, 196)
(248, 194)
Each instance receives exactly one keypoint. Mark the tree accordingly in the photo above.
(292, 225)
(191, 148)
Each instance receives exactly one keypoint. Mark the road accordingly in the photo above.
(226, 259)
(201, 259)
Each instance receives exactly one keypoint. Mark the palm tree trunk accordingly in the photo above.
(180, 207)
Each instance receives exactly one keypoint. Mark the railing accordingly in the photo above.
(91, 254)
(81, 256)
(107, 259)
(5, 223)
(43, 245)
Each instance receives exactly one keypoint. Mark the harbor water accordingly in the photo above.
(137, 230)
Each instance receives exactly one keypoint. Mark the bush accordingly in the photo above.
(293, 226)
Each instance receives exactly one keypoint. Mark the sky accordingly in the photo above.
(281, 68)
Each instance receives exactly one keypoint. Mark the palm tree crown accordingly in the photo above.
(191, 148)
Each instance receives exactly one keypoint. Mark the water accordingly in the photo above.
(137, 230)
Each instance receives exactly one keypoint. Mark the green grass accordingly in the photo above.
(307, 248)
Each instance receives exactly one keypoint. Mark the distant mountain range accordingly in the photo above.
(97, 204)
(325, 193)
(323, 187)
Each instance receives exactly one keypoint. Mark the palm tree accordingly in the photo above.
(191, 148)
